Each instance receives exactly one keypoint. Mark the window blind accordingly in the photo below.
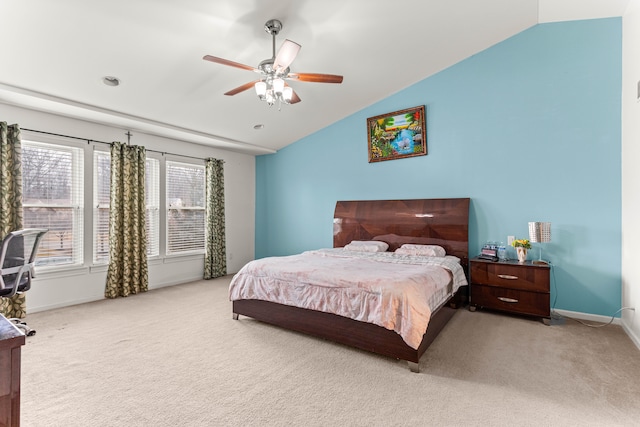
(152, 200)
(52, 189)
(185, 207)
(101, 198)
(101, 188)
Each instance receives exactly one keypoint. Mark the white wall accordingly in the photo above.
(630, 169)
(58, 289)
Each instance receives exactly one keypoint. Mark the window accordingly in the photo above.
(101, 186)
(152, 199)
(52, 190)
(185, 208)
(101, 198)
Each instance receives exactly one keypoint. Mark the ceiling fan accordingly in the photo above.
(271, 87)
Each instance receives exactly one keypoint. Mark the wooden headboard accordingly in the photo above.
(443, 222)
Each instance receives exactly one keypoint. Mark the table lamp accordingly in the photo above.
(540, 232)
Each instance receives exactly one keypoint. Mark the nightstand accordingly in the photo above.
(511, 287)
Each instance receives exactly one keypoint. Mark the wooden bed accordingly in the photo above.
(443, 222)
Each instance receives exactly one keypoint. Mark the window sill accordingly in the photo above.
(57, 272)
(98, 268)
(79, 270)
(183, 257)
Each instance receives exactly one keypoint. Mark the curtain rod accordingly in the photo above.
(129, 134)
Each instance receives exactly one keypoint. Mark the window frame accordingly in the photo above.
(171, 207)
(77, 205)
(153, 230)
(96, 207)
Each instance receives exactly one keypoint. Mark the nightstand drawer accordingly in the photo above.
(511, 276)
(516, 301)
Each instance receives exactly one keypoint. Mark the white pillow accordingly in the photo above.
(367, 246)
(421, 250)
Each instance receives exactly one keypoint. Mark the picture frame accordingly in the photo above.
(397, 135)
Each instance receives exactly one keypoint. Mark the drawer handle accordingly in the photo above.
(509, 300)
(507, 276)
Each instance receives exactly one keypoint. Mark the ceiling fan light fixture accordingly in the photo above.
(270, 98)
(287, 94)
(261, 90)
(278, 86)
(273, 90)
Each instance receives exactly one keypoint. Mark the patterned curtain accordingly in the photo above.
(11, 203)
(127, 272)
(215, 252)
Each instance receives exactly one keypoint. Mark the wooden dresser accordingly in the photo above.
(511, 287)
(11, 341)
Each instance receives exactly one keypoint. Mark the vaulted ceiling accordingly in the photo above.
(56, 54)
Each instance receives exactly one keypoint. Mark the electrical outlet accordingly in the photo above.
(510, 239)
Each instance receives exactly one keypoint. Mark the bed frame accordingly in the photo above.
(443, 222)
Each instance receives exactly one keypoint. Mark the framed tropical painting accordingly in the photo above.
(397, 135)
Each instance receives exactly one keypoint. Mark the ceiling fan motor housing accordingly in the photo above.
(273, 27)
(266, 67)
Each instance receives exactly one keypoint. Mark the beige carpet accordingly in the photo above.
(175, 357)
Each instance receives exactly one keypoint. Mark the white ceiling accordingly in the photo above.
(55, 54)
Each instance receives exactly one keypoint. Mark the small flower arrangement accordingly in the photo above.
(521, 243)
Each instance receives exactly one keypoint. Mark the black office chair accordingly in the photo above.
(17, 259)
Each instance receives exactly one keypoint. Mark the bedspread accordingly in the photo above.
(397, 292)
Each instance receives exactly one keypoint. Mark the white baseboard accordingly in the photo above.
(59, 305)
(601, 319)
(157, 285)
(588, 317)
(632, 335)
(87, 300)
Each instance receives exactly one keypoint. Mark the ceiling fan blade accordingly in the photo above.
(287, 53)
(227, 62)
(317, 78)
(241, 88)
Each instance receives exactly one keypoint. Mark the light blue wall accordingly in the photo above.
(529, 129)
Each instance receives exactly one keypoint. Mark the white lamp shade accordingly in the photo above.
(261, 89)
(278, 86)
(270, 98)
(287, 94)
(540, 232)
